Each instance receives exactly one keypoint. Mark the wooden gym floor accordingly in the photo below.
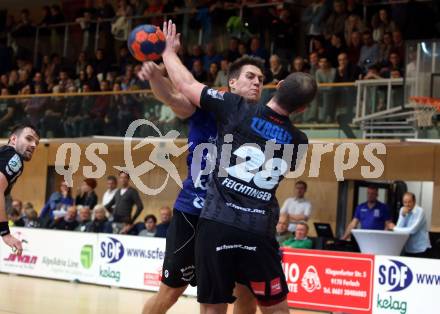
(26, 295)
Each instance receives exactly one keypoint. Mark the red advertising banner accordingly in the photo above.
(329, 281)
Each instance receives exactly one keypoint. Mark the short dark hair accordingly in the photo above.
(16, 130)
(150, 217)
(113, 178)
(295, 91)
(412, 195)
(124, 172)
(373, 187)
(236, 66)
(301, 182)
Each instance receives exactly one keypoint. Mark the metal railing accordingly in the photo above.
(110, 113)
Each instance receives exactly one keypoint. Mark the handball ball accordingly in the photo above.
(146, 43)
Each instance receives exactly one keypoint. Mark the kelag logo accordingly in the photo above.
(112, 250)
(86, 256)
(396, 275)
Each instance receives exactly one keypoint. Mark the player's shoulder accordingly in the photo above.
(10, 161)
(7, 152)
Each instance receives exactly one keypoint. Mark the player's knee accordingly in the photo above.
(169, 294)
(246, 302)
(274, 306)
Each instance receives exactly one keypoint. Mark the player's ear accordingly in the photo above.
(232, 83)
(279, 83)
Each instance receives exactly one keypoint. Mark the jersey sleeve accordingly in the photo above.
(222, 104)
(300, 142)
(10, 164)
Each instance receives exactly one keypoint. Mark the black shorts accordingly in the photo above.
(179, 266)
(225, 255)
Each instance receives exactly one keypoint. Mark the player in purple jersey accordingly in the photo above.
(246, 79)
(235, 240)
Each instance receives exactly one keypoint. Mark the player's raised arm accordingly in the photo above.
(164, 90)
(182, 79)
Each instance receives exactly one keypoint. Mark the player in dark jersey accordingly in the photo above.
(21, 146)
(246, 76)
(236, 232)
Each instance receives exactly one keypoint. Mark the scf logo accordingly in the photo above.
(396, 275)
(112, 250)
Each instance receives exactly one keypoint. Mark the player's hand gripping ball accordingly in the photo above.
(146, 43)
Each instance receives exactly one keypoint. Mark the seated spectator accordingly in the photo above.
(373, 73)
(9, 112)
(31, 218)
(91, 78)
(232, 54)
(150, 226)
(346, 71)
(336, 21)
(282, 229)
(210, 57)
(199, 73)
(399, 44)
(101, 64)
(64, 81)
(297, 208)
(369, 52)
(35, 107)
(412, 220)
(83, 219)
(242, 50)
(313, 17)
(100, 223)
(372, 214)
(222, 75)
(212, 74)
(123, 201)
(394, 63)
(277, 71)
(337, 46)
(298, 65)
(57, 205)
(353, 24)
(385, 47)
(381, 24)
(300, 240)
(68, 222)
(81, 63)
(165, 217)
(18, 205)
(14, 218)
(256, 50)
(87, 196)
(313, 63)
(325, 74)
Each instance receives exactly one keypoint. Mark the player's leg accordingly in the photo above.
(161, 302)
(179, 266)
(279, 308)
(215, 267)
(246, 302)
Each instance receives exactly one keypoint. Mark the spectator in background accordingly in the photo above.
(298, 65)
(300, 240)
(199, 73)
(57, 205)
(399, 44)
(381, 24)
(65, 83)
(277, 71)
(394, 63)
(14, 218)
(385, 47)
(297, 208)
(372, 214)
(353, 24)
(196, 54)
(222, 75)
(242, 50)
(318, 46)
(210, 57)
(373, 73)
(337, 46)
(256, 50)
(100, 223)
(122, 204)
(104, 11)
(72, 115)
(313, 17)
(165, 219)
(129, 79)
(68, 222)
(354, 48)
(369, 51)
(212, 74)
(412, 220)
(8, 112)
(150, 226)
(101, 64)
(31, 218)
(99, 109)
(282, 229)
(18, 205)
(325, 74)
(112, 187)
(232, 54)
(282, 30)
(91, 78)
(313, 63)
(13, 82)
(87, 196)
(335, 23)
(38, 81)
(83, 219)
(124, 59)
(346, 71)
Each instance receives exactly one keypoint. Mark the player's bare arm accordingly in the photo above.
(4, 229)
(181, 78)
(164, 90)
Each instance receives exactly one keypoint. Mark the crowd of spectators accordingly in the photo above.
(339, 46)
(86, 212)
